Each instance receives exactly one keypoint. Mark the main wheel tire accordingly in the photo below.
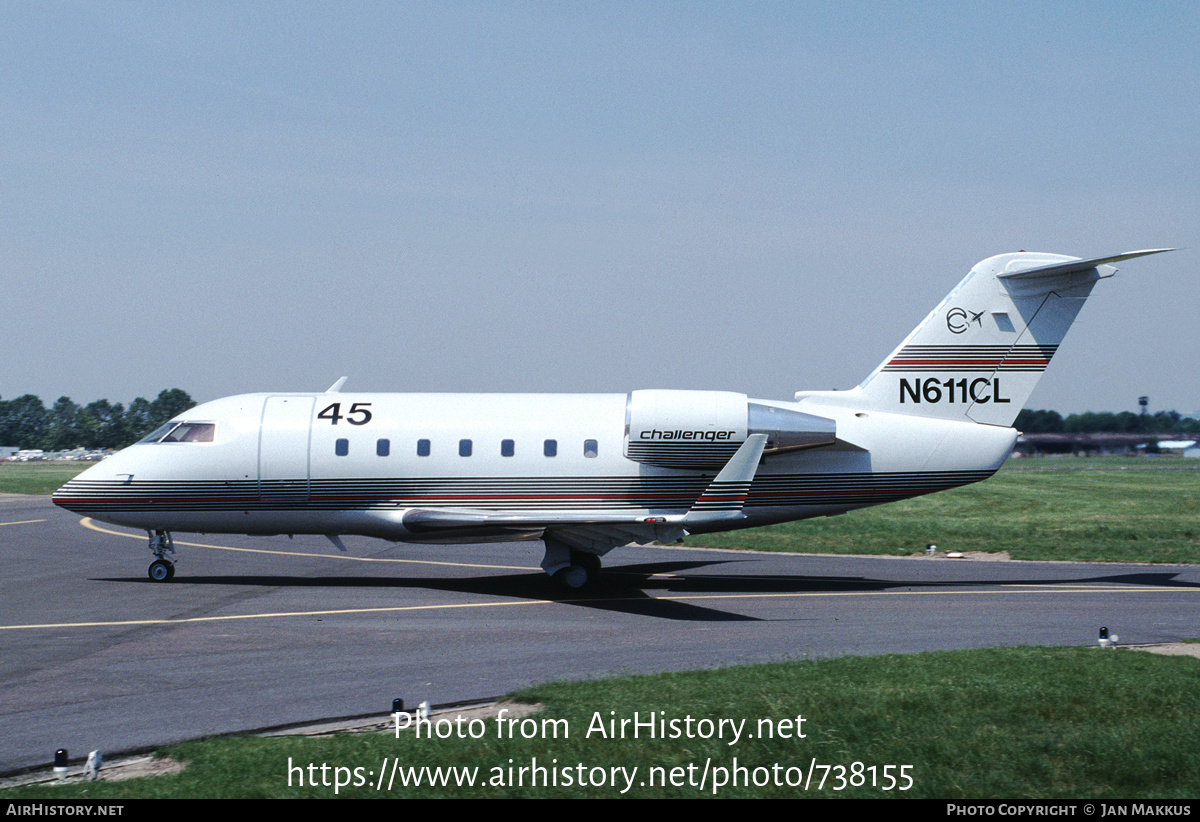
(589, 562)
(573, 577)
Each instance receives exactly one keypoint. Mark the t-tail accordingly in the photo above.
(978, 355)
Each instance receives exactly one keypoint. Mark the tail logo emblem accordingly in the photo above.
(959, 320)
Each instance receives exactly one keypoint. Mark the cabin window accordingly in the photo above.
(341, 447)
(383, 447)
(550, 448)
(507, 448)
(422, 448)
(464, 448)
(590, 448)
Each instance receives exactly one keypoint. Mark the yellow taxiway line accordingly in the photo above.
(280, 614)
(1016, 588)
(87, 522)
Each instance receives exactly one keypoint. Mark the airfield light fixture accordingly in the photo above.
(91, 770)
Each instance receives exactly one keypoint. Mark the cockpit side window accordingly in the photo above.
(158, 433)
(184, 432)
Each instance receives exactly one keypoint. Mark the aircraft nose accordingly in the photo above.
(73, 494)
(67, 496)
(62, 499)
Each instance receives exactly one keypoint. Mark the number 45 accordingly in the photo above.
(333, 413)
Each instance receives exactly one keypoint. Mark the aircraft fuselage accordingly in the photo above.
(355, 463)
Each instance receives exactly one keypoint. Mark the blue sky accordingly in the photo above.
(760, 197)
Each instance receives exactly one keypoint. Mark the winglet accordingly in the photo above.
(725, 495)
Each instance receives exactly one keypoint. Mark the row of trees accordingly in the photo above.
(26, 423)
(1126, 422)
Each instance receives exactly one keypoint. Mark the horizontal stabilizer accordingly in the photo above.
(1074, 266)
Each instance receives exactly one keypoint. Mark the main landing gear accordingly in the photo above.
(162, 569)
(583, 569)
(569, 567)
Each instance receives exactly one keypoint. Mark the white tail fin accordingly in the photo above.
(978, 355)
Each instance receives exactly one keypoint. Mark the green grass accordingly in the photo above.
(43, 477)
(1110, 515)
(1010, 723)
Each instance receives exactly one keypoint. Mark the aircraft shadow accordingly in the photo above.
(632, 589)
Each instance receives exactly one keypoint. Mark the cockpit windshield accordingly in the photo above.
(184, 432)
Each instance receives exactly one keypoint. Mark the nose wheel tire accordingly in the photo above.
(161, 571)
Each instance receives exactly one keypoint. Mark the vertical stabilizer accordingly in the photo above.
(979, 354)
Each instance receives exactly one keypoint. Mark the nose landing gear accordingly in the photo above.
(162, 569)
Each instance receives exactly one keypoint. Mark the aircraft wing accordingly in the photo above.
(722, 501)
(596, 534)
(433, 520)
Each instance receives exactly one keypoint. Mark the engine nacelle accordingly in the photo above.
(703, 429)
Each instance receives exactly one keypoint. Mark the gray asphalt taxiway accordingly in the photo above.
(259, 632)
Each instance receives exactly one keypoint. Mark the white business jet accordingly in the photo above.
(585, 473)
